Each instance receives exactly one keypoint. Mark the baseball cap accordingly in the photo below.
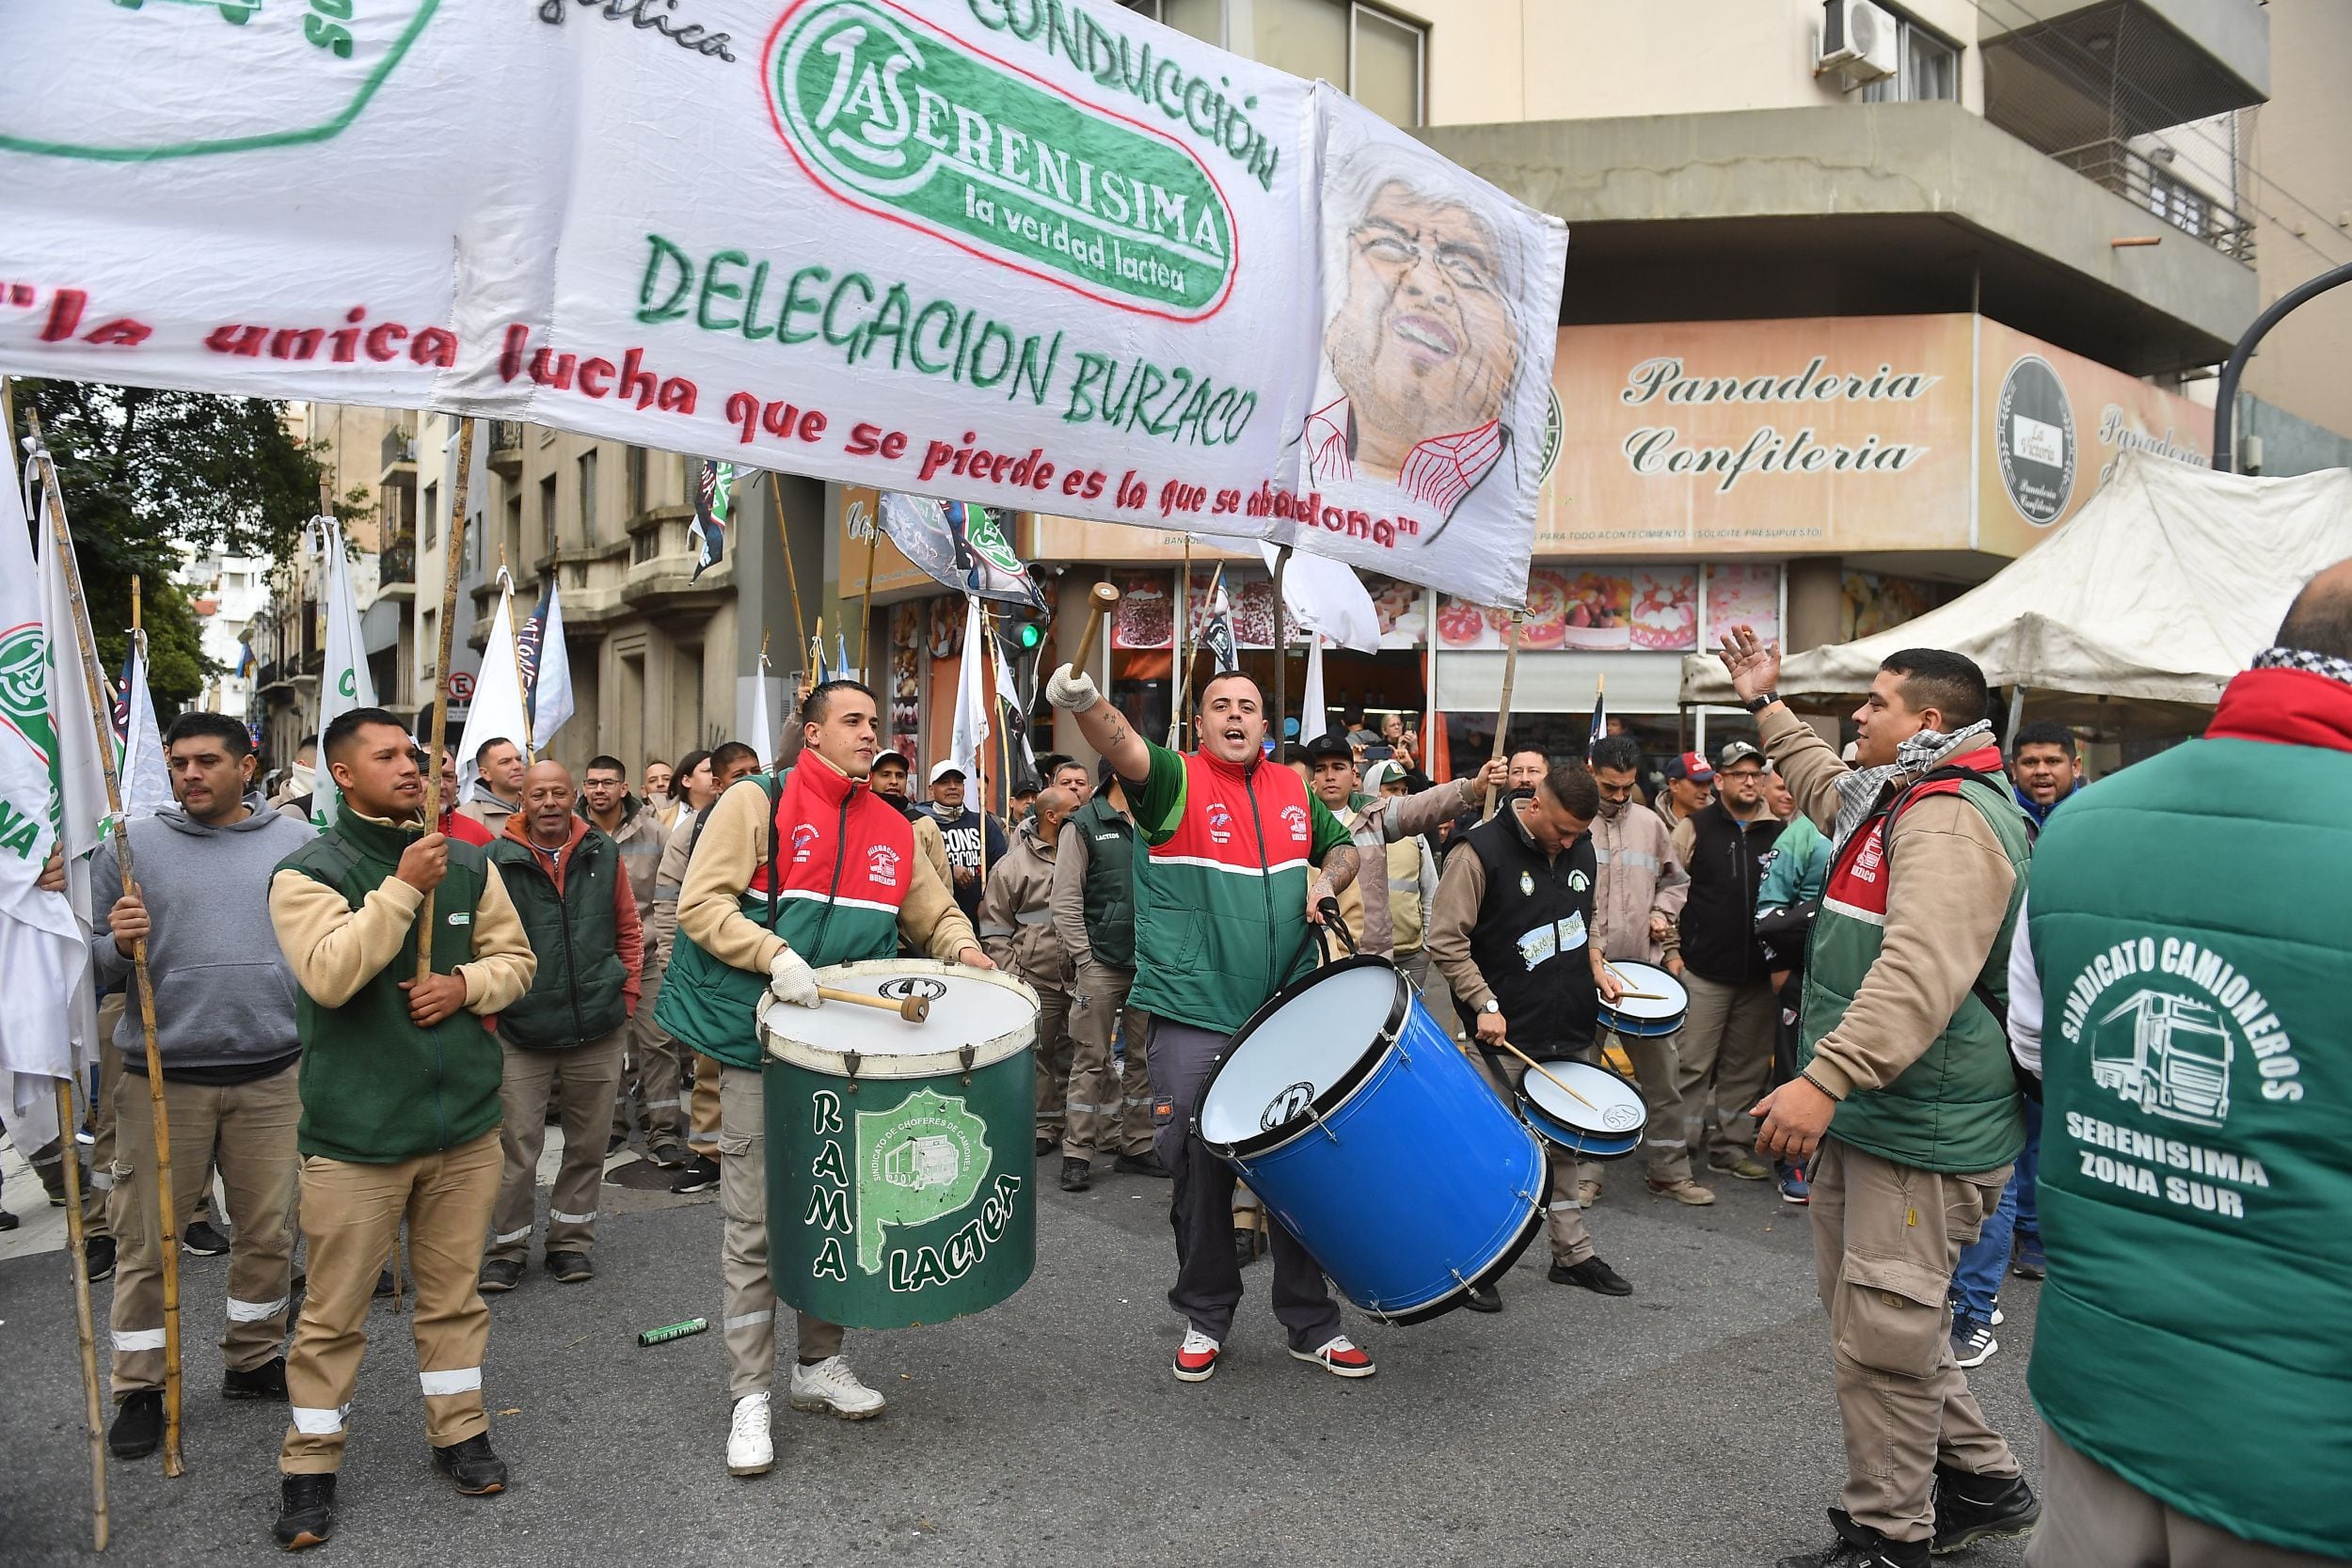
(1736, 751)
(1328, 747)
(1377, 777)
(899, 757)
(1691, 766)
(948, 769)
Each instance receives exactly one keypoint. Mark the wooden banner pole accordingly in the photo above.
(102, 720)
(433, 802)
(1503, 716)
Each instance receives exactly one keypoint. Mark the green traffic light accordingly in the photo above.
(1028, 634)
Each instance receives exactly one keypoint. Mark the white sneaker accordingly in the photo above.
(831, 1385)
(1997, 1318)
(1196, 1358)
(750, 1451)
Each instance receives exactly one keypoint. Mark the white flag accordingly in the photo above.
(1008, 692)
(546, 666)
(1311, 720)
(498, 709)
(1327, 596)
(967, 744)
(145, 776)
(44, 951)
(765, 697)
(344, 682)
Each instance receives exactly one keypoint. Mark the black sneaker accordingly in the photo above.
(2027, 1260)
(264, 1382)
(1482, 1298)
(669, 1156)
(700, 1174)
(384, 1282)
(97, 1257)
(616, 1143)
(139, 1429)
(1972, 1342)
(201, 1240)
(499, 1275)
(1248, 1246)
(1145, 1164)
(471, 1467)
(9, 1220)
(306, 1511)
(1076, 1175)
(1860, 1547)
(1593, 1274)
(1046, 1144)
(570, 1268)
(1973, 1507)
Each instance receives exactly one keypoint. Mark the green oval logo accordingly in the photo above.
(895, 118)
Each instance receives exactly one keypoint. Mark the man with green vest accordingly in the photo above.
(1108, 1111)
(1223, 906)
(400, 1105)
(2192, 1358)
(580, 910)
(1905, 1112)
(793, 874)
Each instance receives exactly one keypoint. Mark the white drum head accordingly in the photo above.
(1672, 1000)
(987, 1011)
(1614, 1105)
(1290, 1058)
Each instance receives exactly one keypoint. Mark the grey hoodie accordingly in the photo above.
(224, 996)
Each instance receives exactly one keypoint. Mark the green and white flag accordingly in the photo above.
(47, 1019)
(344, 683)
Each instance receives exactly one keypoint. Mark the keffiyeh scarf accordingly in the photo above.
(2304, 659)
(1924, 753)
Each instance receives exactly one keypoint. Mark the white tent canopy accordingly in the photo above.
(2160, 589)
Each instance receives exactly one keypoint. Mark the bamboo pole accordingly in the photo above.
(455, 545)
(1176, 652)
(783, 540)
(103, 726)
(866, 603)
(85, 1329)
(1281, 655)
(1502, 718)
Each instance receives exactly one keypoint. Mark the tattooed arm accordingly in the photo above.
(1107, 731)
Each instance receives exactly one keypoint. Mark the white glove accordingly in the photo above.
(1072, 690)
(790, 979)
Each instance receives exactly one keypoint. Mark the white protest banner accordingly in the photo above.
(1042, 255)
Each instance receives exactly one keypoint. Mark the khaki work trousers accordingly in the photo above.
(750, 1305)
(1055, 1054)
(658, 1067)
(703, 1113)
(1885, 1239)
(1110, 1109)
(1571, 1243)
(249, 1130)
(98, 1199)
(590, 1074)
(2093, 1518)
(1657, 1073)
(352, 1215)
(1725, 1052)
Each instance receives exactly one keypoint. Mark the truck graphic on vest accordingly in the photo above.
(2167, 1054)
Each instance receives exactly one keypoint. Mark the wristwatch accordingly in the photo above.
(1493, 1005)
(1758, 703)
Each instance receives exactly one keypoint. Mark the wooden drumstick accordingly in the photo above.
(1099, 602)
(1535, 1065)
(915, 1009)
(1630, 996)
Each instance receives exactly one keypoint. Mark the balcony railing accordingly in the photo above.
(400, 445)
(397, 561)
(2143, 183)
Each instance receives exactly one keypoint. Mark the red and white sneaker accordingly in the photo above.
(1339, 1358)
(1196, 1358)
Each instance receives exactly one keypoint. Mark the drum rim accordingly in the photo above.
(1343, 1087)
(1527, 1102)
(1503, 1263)
(1610, 1013)
(929, 1063)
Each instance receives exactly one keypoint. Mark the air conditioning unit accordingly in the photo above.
(1859, 43)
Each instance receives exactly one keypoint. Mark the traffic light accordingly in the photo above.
(1020, 631)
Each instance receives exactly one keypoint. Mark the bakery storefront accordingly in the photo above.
(1817, 479)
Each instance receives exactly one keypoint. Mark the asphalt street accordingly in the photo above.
(1692, 1423)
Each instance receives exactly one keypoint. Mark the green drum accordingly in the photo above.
(899, 1155)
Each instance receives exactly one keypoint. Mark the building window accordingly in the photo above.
(645, 545)
(588, 498)
(633, 475)
(2182, 206)
(547, 519)
(432, 518)
(1927, 70)
(1374, 57)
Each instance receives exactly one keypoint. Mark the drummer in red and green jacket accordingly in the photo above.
(1224, 903)
(793, 874)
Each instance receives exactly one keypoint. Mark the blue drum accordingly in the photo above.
(1347, 1109)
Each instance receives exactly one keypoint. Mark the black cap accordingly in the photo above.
(1328, 747)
